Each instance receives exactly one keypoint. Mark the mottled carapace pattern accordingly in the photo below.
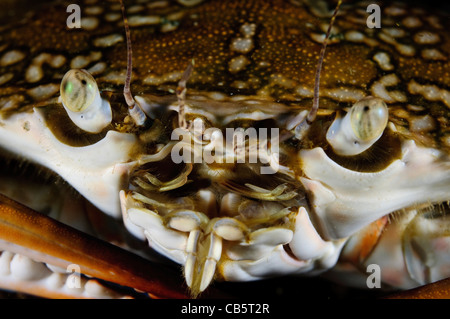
(264, 49)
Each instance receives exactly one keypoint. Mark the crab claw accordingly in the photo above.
(308, 245)
(43, 239)
(436, 290)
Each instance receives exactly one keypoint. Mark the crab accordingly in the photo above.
(192, 132)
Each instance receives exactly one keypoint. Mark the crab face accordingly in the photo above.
(216, 170)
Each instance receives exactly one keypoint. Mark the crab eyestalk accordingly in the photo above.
(360, 128)
(81, 99)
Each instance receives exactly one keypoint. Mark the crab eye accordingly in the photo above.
(369, 118)
(78, 90)
(360, 128)
(81, 99)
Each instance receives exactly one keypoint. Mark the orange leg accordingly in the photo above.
(51, 241)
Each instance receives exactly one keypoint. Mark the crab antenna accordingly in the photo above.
(181, 94)
(310, 117)
(135, 110)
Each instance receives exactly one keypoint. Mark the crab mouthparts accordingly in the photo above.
(200, 211)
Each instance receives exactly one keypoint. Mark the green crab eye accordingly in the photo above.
(78, 90)
(81, 99)
(360, 128)
(368, 118)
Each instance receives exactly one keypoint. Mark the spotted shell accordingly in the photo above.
(243, 51)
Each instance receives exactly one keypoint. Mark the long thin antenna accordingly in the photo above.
(311, 116)
(181, 94)
(135, 110)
